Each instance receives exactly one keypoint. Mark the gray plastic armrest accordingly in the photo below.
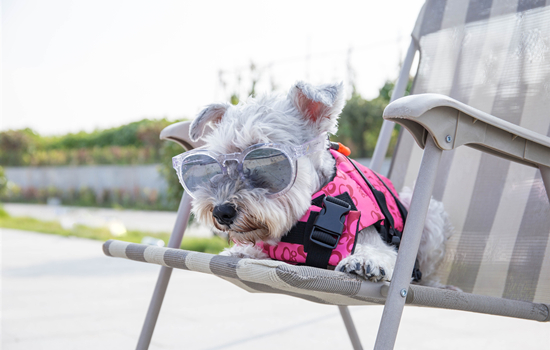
(179, 132)
(453, 124)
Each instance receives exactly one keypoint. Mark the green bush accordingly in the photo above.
(134, 143)
(139, 198)
(175, 189)
(212, 245)
(3, 182)
(361, 120)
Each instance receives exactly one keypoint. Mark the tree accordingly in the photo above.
(174, 191)
(15, 145)
(3, 182)
(361, 120)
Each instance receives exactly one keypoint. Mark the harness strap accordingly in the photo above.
(388, 231)
(402, 210)
(326, 232)
(381, 201)
(321, 233)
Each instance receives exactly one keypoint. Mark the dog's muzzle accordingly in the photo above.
(225, 214)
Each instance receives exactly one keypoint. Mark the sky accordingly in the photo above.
(72, 65)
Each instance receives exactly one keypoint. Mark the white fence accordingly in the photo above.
(96, 177)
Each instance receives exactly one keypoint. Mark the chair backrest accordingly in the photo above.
(495, 56)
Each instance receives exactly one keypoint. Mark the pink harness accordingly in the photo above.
(348, 188)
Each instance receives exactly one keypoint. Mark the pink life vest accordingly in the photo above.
(348, 185)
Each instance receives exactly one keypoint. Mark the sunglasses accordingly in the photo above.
(269, 166)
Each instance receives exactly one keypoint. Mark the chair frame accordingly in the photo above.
(399, 291)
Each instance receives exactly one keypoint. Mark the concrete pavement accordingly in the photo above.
(63, 293)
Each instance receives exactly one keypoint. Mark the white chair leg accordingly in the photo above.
(184, 211)
(350, 327)
(391, 317)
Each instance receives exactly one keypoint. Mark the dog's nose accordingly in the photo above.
(225, 213)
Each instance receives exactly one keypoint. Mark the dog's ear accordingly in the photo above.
(211, 114)
(319, 105)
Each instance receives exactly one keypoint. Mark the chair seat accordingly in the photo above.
(316, 285)
(259, 276)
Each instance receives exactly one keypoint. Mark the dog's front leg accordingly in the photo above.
(245, 251)
(373, 259)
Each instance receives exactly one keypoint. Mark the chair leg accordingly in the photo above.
(350, 327)
(184, 211)
(545, 172)
(391, 317)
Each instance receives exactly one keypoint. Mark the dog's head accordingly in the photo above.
(245, 212)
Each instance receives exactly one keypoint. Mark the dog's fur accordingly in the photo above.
(304, 114)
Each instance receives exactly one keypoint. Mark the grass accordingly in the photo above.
(212, 245)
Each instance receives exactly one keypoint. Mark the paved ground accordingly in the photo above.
(148, 221)
(63, 293)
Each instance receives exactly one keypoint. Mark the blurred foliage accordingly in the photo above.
(175, 189)
(16, 145)
(3, 182)
(361, 120)
(133, 143)
(143, 133)
(212, 245)
(138, 198)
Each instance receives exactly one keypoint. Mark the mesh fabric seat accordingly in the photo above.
(493, 56)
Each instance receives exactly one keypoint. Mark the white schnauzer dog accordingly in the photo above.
(262, 162)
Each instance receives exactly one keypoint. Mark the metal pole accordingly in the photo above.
(399, 286)
(350, 327)
(387, 126)
(545, 174)
(182, 218)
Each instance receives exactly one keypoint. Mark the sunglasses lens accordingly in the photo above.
(268, 168)
(198, 169)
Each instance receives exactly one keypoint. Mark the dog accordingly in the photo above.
(237, 202)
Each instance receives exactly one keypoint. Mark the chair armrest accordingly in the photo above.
(179, 132)
(453, 124)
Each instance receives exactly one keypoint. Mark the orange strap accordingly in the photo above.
(343, 149)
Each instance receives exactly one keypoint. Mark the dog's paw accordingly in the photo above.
(372, 268)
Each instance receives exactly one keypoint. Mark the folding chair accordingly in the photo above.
(485, 65)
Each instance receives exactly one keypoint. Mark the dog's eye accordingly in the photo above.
(268, 168)
(257, 179)
(216, 178)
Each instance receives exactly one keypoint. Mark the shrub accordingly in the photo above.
(134, 143)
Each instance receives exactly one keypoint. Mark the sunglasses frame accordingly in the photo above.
(291, 152)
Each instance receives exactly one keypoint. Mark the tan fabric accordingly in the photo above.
(316, 285)
(265, 276)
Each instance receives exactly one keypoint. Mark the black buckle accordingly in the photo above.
(395, 237)
(329, 225)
